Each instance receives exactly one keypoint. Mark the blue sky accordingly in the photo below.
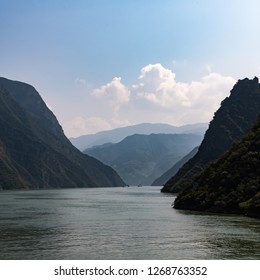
(101, 64)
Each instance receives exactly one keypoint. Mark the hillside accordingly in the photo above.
(231, 184)
(233, 120)
(173, 170)
(34, 152)
(140, 159)
(118, 134)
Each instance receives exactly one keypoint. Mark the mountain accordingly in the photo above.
(231, 184)
(118, 134)
(233, 120)
(140, 159)
(173, 170)
(34, 152)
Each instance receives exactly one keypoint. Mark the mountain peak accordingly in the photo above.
(236, 115)
(30, 100)
(34, 152)
(247, 80)
(245, 86)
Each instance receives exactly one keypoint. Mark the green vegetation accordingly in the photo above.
(231, 122)
(231, 184)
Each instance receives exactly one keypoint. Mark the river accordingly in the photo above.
(118, 223)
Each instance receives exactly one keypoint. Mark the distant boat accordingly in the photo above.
(139, 185)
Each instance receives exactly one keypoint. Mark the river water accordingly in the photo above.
(118, 223)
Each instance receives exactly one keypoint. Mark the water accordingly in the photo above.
(118, 223)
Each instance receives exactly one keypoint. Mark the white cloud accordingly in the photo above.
(113, 95)
(157, 85)
(195, 101)
(155, 97)
(115, 92)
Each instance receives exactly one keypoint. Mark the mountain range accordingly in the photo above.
(174, 169)
(235, 117)
(35, 153)
(140, 159)
(118, 134)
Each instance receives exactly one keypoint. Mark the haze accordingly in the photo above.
(106, 64)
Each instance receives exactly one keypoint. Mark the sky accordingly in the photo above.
(102, 64)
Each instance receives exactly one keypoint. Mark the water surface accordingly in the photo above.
(118, 223)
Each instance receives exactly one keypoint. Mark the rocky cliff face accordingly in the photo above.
(30, 100)
(234, 118)
(34, 152)
(231, 184)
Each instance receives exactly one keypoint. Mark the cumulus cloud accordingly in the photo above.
(158, 85)
(115, 92)
(157, 96)
(113, 95)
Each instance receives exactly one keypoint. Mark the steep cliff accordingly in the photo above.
(235, 117)
(35, 153)
(231, 184)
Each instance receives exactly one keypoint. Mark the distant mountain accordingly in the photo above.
(118, 134)
(34, 152)
(231, 184)
(140, 159)
(235, 117)
(173, 170)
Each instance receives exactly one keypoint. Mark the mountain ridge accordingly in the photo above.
(232, 120)
(35, 153)
(231, 184)
(140, 159)
(118, 134)
(160, 181)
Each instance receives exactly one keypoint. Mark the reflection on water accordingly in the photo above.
(120, 223)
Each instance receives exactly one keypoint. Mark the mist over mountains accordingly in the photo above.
(174, 169)
(118, 134)
(140, 159)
